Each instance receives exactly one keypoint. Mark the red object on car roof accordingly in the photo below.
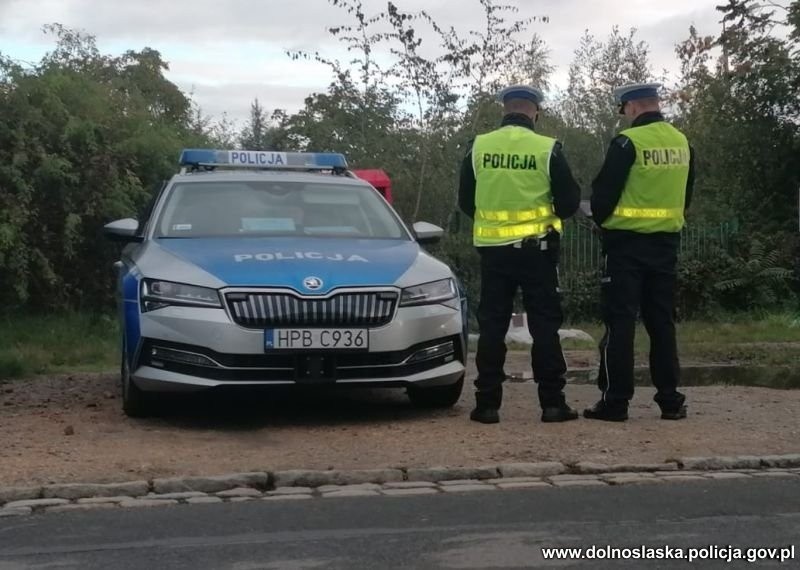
(379, 179)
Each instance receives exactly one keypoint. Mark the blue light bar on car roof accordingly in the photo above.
(262, 159)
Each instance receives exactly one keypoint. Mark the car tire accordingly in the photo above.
(436, 396)
(136, 403)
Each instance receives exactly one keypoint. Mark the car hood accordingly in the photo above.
(289, 262)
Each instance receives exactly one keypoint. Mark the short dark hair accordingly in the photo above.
(519, 105)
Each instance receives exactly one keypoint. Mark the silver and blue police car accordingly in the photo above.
(269, 268)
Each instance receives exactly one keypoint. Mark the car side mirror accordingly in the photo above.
(123, 230)
(427, 233)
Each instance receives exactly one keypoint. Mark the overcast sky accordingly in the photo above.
(228, 52)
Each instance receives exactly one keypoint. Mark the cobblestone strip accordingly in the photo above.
(410, 491)
(435, 474)
(306, 478)
(216, 484)
(9, 494)
(81, 491)
(306, 484)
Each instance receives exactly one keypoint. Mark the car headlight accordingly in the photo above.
(436, 292)
(158, 294)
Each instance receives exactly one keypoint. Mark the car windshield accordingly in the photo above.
(276, 208)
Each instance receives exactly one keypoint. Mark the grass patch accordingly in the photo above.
(783, 327)
(46, 344)
(766, 340)
(698, 337)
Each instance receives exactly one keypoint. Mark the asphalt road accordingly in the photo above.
(497, 529)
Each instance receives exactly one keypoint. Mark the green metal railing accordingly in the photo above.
(581, 249)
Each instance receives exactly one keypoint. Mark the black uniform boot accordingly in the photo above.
(607, 412)
(562, 413)
(485, 415)
(554, 404)
(676, 414)
(487, 405)
(672, 405)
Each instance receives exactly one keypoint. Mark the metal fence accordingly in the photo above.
(581, 250)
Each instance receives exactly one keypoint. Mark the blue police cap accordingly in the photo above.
(521, 92)
(636, 91)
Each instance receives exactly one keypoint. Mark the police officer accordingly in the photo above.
(517, 186)
(639, 199)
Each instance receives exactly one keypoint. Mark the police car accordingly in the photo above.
(269, 268)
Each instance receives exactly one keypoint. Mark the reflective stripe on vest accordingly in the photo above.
(654, 196)
(512, 186)
(649, 213)
(514, 216)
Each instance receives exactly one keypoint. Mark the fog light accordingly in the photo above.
(181, 356)
(153, 305)
(433, 352)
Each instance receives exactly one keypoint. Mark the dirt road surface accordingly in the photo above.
(71, 429)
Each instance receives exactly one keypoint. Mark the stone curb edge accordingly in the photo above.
(398, 481)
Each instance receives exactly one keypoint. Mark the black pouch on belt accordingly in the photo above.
(551, 245)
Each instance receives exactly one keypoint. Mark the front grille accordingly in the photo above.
(260, 310)
(273, 367)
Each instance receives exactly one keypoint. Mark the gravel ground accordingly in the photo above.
(71, 428)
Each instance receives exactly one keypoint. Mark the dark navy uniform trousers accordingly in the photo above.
(505, 270)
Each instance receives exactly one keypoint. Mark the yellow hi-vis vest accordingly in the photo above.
(654, 197)
(513, 200)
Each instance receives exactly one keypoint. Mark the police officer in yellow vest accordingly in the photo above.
(517, 186)
(639, 199)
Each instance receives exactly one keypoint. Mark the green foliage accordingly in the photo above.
(741, 113)
(758, 280)
(581, 297)
(414, 115)
(84, 138)
(753, 276)
(255, 135)
(696, 295)
(600, 66)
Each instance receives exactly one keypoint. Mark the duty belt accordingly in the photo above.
(540, 243)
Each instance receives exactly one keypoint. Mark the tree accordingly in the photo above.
(84, 139)
(256, 133)
(742, 115)
(218, 133)
(532, 66)
(414, 114)
(85, 136)
(793, 20)
(588, 111)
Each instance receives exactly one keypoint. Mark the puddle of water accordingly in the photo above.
(780, 377)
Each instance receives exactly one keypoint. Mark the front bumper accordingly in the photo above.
(184, 349)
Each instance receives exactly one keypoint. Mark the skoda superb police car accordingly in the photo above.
(267, 268)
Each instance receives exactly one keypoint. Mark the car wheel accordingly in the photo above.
(436, 396)
(135, 402)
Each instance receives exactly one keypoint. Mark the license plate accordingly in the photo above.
(316, 339)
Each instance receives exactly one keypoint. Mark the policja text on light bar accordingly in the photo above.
(262, 159)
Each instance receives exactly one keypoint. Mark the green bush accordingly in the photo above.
(581, 297)
(754, 277)
(697, 295)
(84, 138)
(13, 366)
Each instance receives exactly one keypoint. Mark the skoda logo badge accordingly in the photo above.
(312, 283)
